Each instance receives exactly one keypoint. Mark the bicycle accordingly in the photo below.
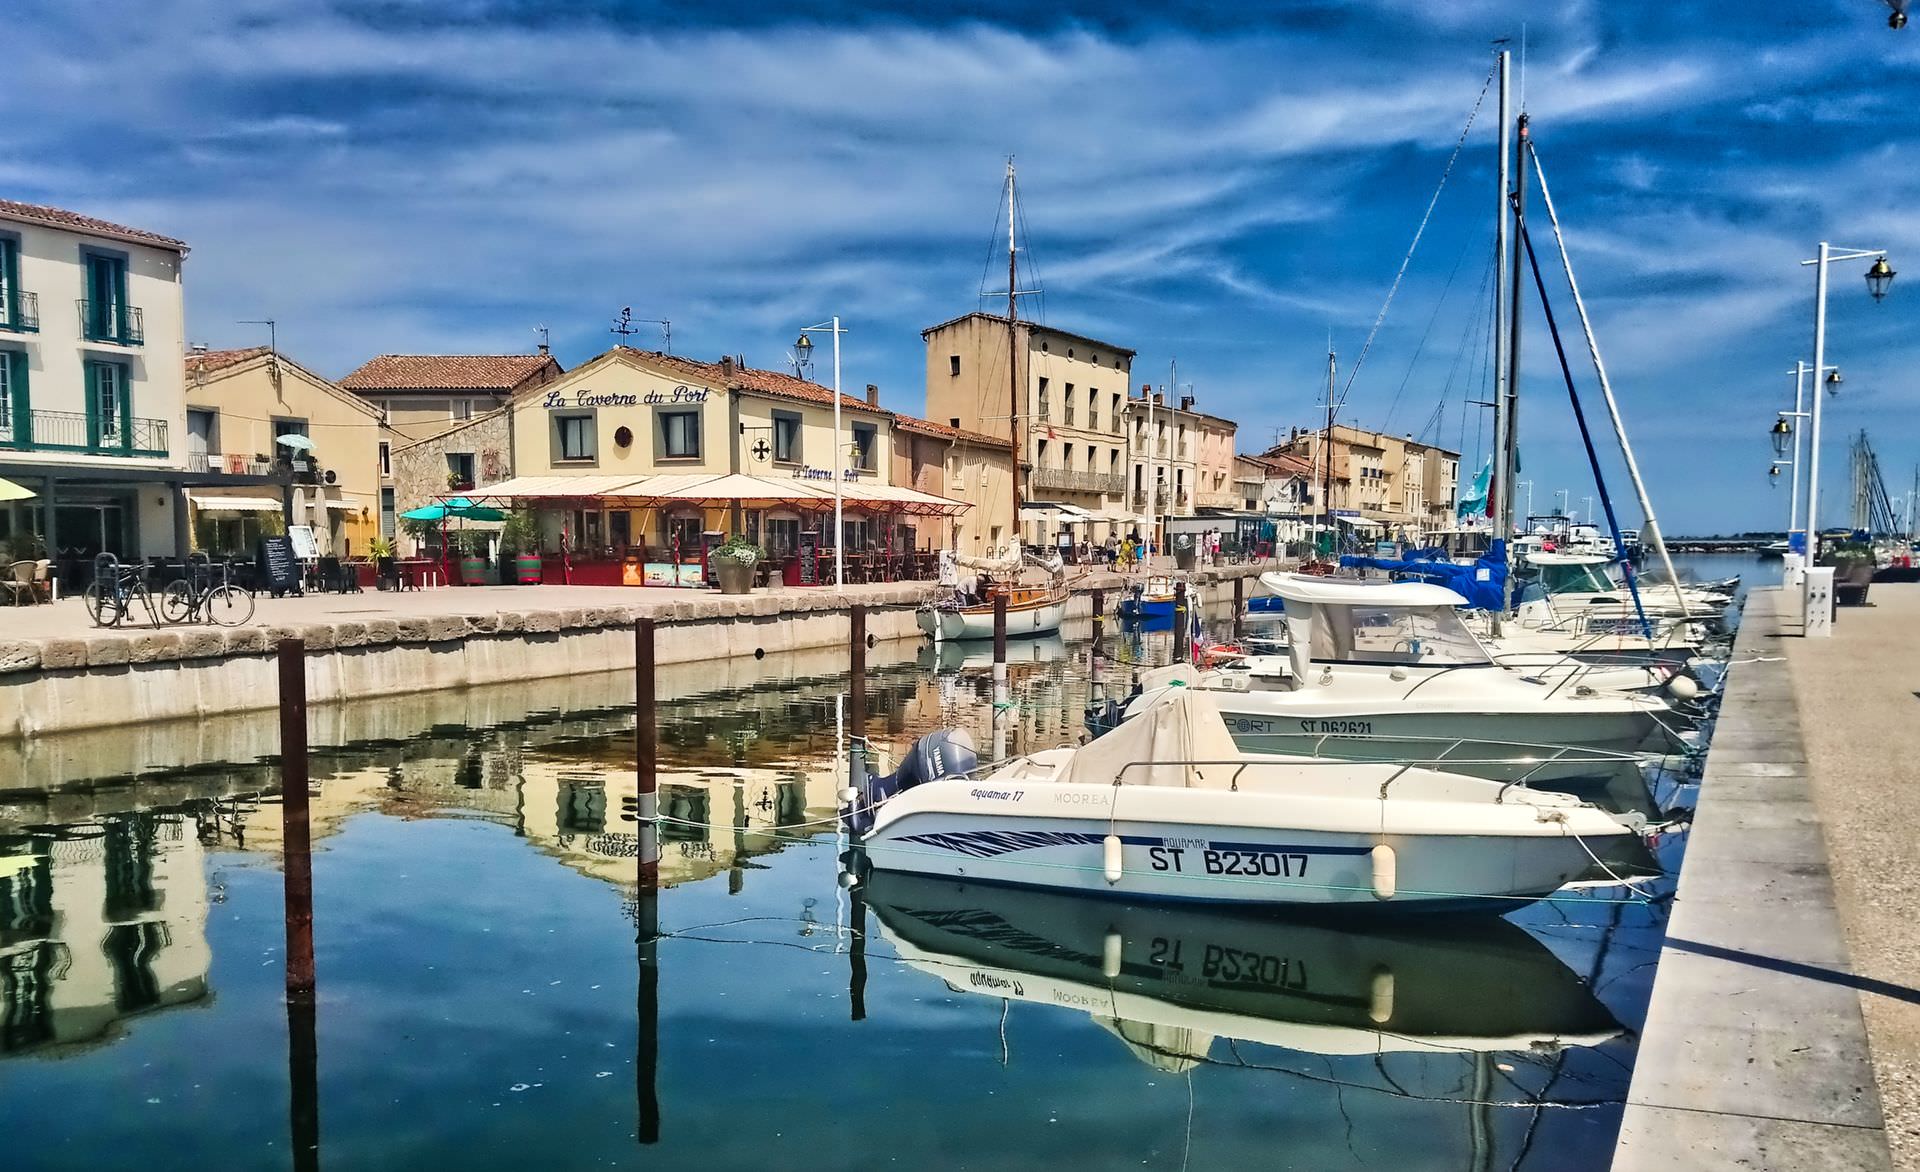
(114, 590)
(197, 598)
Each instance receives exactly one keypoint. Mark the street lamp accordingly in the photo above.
(1782, 434)
(1879, 279)
(804, 346)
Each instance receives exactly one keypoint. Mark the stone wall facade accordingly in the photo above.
(420, 469)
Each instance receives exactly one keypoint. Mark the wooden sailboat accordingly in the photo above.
(1031, 610)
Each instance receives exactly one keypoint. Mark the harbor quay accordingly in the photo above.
(60, 673)
(1784, 1027)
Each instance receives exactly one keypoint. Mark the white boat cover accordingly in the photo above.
(1174, 1049)
(1172, 673)
(1306, 588)
(1161, 743)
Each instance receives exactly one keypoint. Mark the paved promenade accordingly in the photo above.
(1785, 997)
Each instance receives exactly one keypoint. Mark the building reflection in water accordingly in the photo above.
(100, 921)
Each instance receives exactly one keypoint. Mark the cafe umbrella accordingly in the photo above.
(458, 506)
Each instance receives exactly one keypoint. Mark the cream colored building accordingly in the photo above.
(944, 460)
(1071, 392)
(1180, 459)
(1384, 485)
(635, 413)
(239, 405)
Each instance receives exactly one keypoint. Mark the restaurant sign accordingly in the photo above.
(809, 472)
(555, 401)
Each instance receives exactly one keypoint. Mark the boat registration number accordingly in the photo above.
(1360, 727)
(1251, 863)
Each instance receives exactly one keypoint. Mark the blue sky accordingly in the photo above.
(1217, 183)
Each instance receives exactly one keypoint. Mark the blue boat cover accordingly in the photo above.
(1483, 584)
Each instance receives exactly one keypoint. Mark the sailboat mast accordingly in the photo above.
(1511, 457)
(1326, 471)
(1013, 362)
(1502, 490)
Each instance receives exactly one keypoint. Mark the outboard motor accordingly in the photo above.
(947, 753)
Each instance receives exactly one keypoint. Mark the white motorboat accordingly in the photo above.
(1583, 584)
(1388, 671)
(1168, 807)
(1169, 979)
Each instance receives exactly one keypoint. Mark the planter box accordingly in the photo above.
(526, 569)
(735, 577)
(473, 571)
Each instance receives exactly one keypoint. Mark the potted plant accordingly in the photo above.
(1853, 566)
(472, 545)
(520, 543)
(733, 564)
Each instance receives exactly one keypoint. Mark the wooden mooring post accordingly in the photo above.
(303, 1051)
(646, 756)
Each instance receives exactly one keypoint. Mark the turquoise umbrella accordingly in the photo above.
(457, 507)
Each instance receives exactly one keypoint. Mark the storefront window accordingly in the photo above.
(783, 536)
(683, 536)
(857, 532)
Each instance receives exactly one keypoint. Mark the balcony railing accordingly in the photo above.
(229, 463)
(111, 321)
(20, 312)
(74, 431)
(1060, 478)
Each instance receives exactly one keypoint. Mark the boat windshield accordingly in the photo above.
(1581, 578)
(1407, 635)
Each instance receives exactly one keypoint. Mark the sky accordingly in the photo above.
(1221, 185)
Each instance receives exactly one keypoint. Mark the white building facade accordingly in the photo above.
(92, 387)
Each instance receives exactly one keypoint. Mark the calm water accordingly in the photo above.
(480, 983)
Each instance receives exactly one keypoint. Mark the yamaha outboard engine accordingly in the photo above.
(947, 753)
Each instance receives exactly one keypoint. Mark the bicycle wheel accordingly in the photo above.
(176, 602)
(104, 605)
(228, 606)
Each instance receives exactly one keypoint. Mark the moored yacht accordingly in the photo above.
(1169, 807)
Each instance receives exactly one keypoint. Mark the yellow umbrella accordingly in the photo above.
(9, 491)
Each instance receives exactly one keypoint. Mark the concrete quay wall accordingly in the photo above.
(120, 679)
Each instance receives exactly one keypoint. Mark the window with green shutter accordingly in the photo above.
(16, 417)
(108, 405)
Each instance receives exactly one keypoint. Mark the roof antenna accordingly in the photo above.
(546, 339)
(273, 341)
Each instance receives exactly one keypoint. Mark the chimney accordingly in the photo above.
(1159, 400)
(1145, 389)
(873, 395)
(726, 368)
(1186, 402)
(546, 351)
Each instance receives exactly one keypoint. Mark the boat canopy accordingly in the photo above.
(1318, 591)
(1482, 584)
(1160, 745)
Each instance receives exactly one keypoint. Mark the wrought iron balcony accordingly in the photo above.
(20, 312)
(112, 321)
(1061, 479)
(75, 431)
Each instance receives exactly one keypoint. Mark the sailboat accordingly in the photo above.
(1031, 609)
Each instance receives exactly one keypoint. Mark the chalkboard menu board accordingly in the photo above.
(275, 568)
(710, 541)
(809, 557)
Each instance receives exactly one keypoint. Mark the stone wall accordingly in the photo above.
(420, 469)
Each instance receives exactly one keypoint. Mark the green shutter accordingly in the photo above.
(10, 277)
(93, 403)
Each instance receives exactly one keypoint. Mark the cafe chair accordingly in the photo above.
(19, 584)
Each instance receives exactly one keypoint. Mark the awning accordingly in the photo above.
(234, 504)
(1359, 522)
(717, 490)
(344, 506)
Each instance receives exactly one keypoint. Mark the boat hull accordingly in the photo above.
(1241, 865)
(976, 622)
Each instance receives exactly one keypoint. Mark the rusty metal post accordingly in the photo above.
(303, 1083)
(297, 829)
(646, 755)
(857, 954)
(1179, 621)
(1239, 605)
(1099, 613)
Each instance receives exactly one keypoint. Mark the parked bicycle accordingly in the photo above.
(205, 595)
(114, 591)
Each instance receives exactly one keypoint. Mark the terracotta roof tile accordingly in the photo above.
(766, 382)
(447, 372)
(207, 362)
(74, 221)
(913, 426)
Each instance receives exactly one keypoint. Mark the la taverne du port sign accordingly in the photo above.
(555, 401)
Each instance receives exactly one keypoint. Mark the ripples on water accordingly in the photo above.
(475, 930)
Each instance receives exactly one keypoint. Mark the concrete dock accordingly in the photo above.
(1784, 1029)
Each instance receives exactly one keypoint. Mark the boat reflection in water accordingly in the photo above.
(1169, 980)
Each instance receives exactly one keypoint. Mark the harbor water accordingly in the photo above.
(482, 1001)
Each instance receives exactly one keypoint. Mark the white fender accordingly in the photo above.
(1385, 872)
(1380, 1008)
(1110, 955)
(1110, 852)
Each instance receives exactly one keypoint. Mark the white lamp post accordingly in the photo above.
(805, 347)
(1879, 277)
